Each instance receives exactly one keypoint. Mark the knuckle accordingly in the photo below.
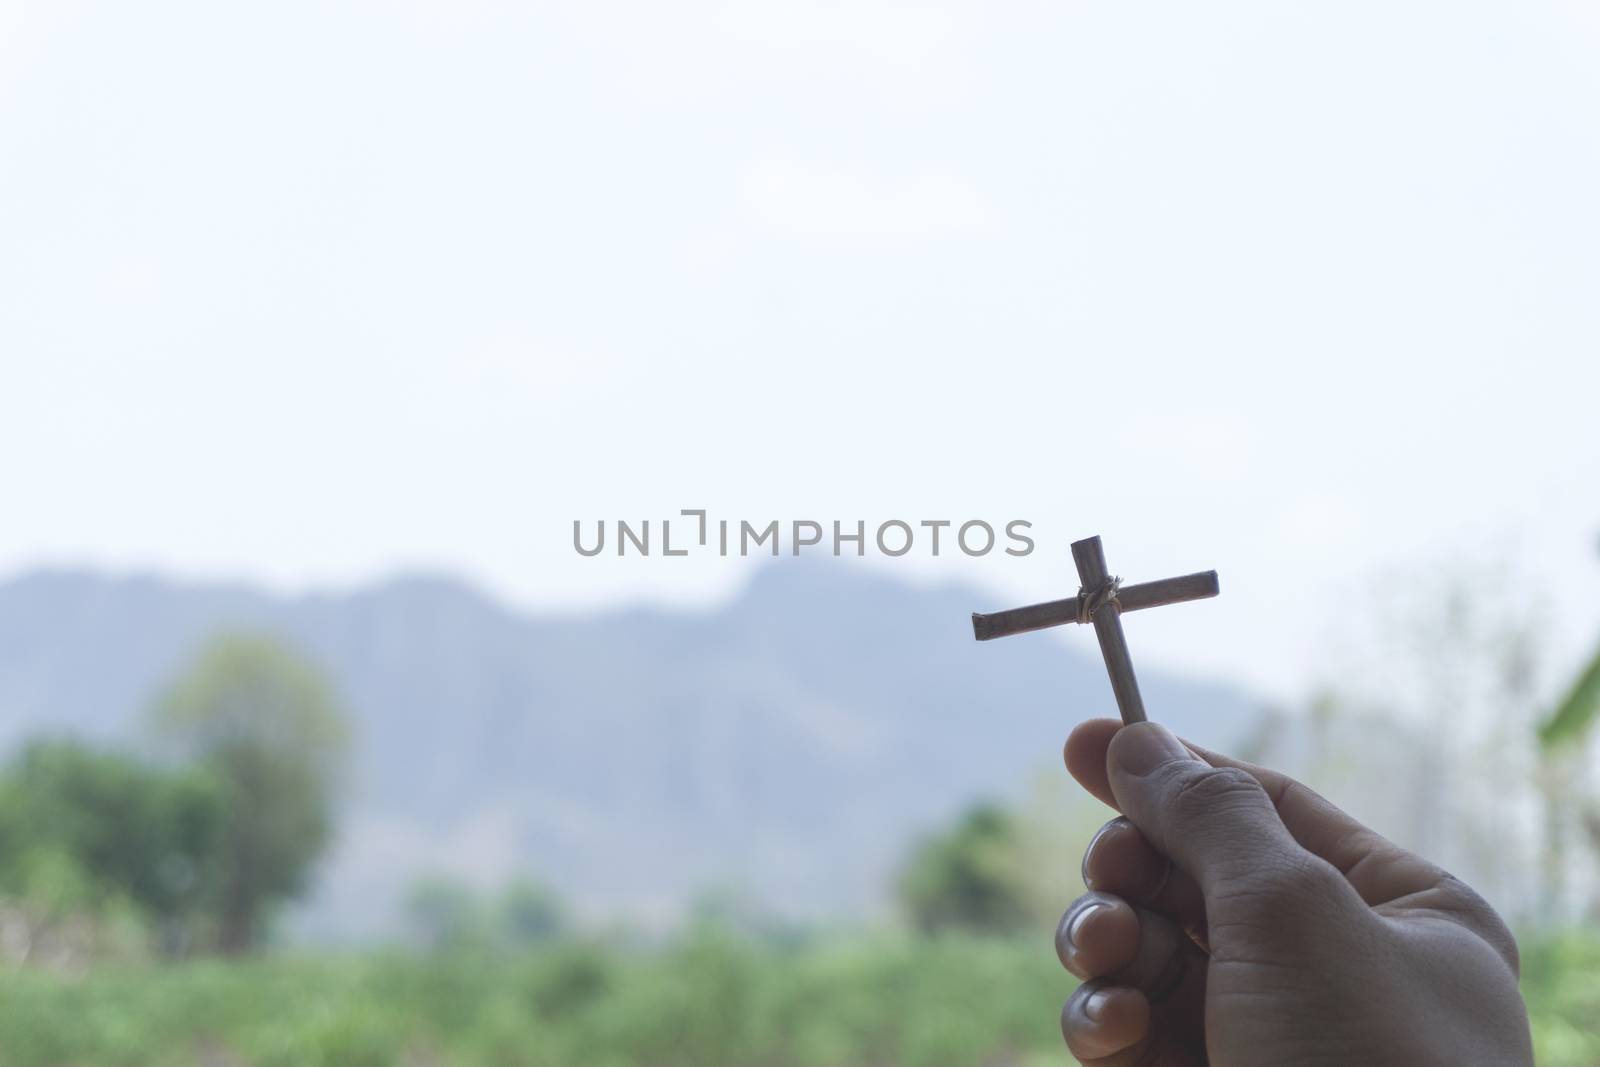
(1209, 788)
(1480, 917)
(1296, 880)
(1282, 886)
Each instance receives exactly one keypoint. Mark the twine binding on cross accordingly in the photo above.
(1089, 603)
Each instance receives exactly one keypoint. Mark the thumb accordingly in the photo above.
(1217, 824)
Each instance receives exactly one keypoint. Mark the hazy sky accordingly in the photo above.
(311, 293)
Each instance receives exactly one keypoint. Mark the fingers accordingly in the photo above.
(1102, 936)
(1377, 869)
(1098, 935)
(1106, 1025)
(1384, 875)
(1119, 861)
(1389, 878)
(1085, 756)
(1114, 1026)
(1144, 990)
(1216, 823)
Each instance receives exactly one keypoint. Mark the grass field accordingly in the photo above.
(709, 1001)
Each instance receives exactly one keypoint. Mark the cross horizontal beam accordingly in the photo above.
(1130, 597)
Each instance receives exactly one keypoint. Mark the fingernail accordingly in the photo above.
(1095, 1004)
(1083, 913)
(1115, 824)
(1142, 747)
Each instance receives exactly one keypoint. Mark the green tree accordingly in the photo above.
(82, 830)
(142, 831)
(265, 723)
(528, 913)
(1577, 712)
(1575, 716)
(444, 915)
(970, 877)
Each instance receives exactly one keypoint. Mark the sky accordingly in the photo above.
(310, 294)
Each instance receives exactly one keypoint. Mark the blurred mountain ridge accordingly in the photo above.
(789, 742)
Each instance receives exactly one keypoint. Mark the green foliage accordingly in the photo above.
(528, 914)
(264, 722)
(82, 830)
(443, 915)
(1561, 981)
(969, 878)
(1576, 714)
(708, 1000)
(51, 884)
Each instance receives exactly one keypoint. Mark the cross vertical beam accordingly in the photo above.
(1090, 558)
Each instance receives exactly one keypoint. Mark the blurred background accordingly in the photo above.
(321, 325)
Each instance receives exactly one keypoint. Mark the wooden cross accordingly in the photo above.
(1101, 600)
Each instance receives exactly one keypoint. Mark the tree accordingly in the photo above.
(264, 722)
(1576, 714)
(529, 913)
(82, 831)
(444, 915)
(970, 877)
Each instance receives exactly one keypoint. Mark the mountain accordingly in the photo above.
(790, 742)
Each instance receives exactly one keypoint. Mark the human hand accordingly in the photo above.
(1281, 931)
